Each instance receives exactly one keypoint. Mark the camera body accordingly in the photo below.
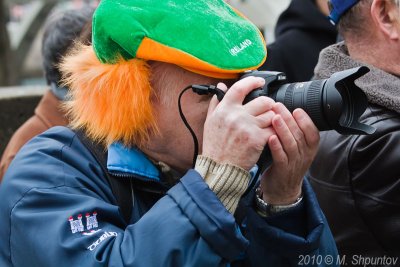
(334, 103)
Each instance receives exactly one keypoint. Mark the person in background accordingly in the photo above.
(60, 31)
(302, 31)
(356, 177)
(181, 206)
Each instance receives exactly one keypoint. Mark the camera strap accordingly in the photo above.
(200, 90)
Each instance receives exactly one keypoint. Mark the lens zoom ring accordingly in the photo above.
(288, 101)
(313, 104)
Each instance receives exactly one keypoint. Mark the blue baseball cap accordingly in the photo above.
(338, 8)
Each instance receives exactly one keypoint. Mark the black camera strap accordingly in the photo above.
(200, 90)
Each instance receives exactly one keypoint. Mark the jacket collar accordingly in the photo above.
(131, 161)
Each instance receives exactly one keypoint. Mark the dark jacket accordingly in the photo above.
(357, 177)
(301, 32)
(48, 113)
(58, 209)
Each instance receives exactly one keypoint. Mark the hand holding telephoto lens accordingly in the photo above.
(232, 127)
(333, 104)
(293, 149)
(246, 120)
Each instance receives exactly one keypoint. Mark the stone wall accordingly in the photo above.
(16, 106)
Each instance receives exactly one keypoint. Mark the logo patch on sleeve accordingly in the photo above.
(78, 227)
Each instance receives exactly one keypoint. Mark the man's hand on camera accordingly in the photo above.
(293, 148)
(235, 133)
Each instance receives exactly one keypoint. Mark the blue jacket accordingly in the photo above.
(58, 209)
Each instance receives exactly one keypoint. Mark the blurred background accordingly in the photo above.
(21, 24)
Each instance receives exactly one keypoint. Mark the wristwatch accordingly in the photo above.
(265, 209)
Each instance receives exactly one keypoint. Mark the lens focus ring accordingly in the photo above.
(314, 103)
(288, 101)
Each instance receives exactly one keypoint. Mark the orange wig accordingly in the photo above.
(111, 102)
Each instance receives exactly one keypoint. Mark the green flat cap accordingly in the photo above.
(204, 36)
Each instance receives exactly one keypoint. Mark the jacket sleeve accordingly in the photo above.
(374, 170)
(297, 237)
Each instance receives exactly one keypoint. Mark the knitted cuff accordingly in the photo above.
(228, 182)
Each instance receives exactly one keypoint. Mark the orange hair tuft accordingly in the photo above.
(111, 102)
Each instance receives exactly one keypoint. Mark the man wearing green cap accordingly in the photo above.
(121, 187)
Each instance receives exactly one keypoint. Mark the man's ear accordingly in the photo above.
(385, 14)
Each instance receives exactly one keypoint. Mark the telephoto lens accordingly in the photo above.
(335, 103)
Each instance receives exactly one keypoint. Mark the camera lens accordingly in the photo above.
(335, 103)
(308, 96)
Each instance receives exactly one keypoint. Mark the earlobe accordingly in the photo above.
(386, 16)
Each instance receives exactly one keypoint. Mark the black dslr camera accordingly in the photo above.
(335, 103)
